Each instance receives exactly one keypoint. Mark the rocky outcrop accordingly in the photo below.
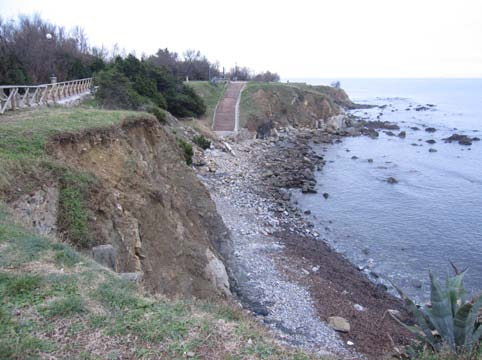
(146, 205)
(38, 209)
(267, 106)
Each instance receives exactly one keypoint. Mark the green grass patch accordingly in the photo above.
(22, 289)
(210, 93)
(21, 246)
(25, 134)
(118, 294)
(155, 323)
(187, 150)
(73, 215)
(65, 255)
(64, 307)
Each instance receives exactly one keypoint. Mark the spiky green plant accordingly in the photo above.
(449, 322)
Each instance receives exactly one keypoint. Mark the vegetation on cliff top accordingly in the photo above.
(272, 104)
(58, 303)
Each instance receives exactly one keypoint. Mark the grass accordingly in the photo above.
(73, 217)
(24, 134)
(210, 93)
(89, 312)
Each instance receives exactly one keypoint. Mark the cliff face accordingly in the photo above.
(276, 105)
(145, 202)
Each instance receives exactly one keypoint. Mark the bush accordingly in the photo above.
(202, 142)
(187, 149)
(115, 90)
(450, 324)
(158, 113)
(184, 102)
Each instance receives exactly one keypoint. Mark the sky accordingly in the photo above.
(297, 39)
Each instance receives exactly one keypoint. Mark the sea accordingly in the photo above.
(432, 216)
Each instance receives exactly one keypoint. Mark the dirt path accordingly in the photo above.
(225, 116)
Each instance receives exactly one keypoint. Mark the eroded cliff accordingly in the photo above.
(138, 195)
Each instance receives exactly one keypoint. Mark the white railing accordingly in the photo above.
(13, 97)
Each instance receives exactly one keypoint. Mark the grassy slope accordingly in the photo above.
(24, 134)
(210, 93)
(57, 303)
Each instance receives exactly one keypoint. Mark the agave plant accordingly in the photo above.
(448, 322)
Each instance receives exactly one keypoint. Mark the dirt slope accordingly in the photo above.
(141, 198)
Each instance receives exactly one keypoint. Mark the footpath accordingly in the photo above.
(225, 117)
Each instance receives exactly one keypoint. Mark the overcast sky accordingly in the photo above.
(303, 38)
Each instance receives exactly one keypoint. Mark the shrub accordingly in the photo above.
(202, 142)
(187, 149)
(158, 113)
(115, 90)
(182, 101)
(450, 323)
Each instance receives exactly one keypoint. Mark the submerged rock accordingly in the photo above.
(391, 180)
(430, 129)
(431, 141)
(432, 150)
(461, 139)
(402, 134)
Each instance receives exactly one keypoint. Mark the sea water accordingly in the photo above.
(433, 215)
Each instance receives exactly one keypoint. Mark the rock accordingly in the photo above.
(370, 132)
(370, 161)
(465, 142)
(105, 255)
(39, 210)
(415, 128)
(462, 139)
(389, 133)
(308, 174)
(354, 157)
(366, 251)
(391, 180)
(402, 134)
(382, 125)
(421, 108)
(215, 271)
(432, 150)
(430, 129)
(326, 195)
(285, 194)
(339, 324)
(308, 188)
(431, 141)
(358, 307)
(190, 354)
(307, 212)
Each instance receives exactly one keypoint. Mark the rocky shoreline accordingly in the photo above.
(285, 273)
